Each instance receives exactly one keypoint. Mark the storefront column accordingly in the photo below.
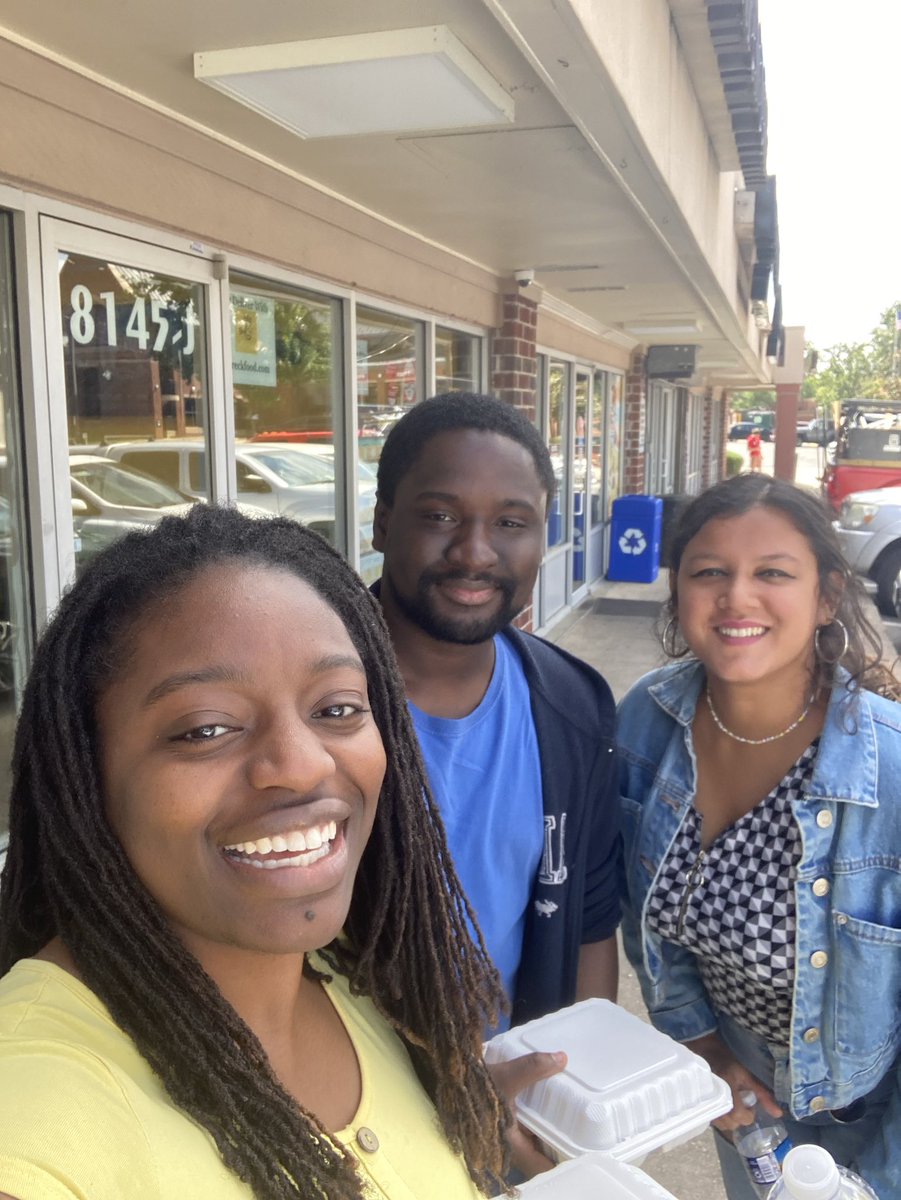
(787, 397)
(514, 359)
(635, 424)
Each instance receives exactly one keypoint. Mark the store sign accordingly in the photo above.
(253, 340)
(149, 323)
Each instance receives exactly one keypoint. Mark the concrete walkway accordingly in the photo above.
(614, 631)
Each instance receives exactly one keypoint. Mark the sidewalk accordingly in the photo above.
(613, 630)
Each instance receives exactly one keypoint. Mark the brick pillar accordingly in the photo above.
(514, 371)
(635, 423)
(712, 441)
(514, 360)
(787, 397)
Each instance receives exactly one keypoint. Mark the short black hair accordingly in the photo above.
(452, 411)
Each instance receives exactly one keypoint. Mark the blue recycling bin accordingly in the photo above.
(636, 527)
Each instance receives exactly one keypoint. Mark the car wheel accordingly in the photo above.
(888, 583)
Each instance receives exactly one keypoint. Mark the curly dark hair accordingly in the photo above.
(840, 587)
(407, 943)
(452, 411)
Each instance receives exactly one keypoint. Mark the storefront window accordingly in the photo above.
(389, 375)
(134, 346)
(557, 437)
(286, 367)
(596, 447)
(581, 475)
(457, 361)
(15, 613)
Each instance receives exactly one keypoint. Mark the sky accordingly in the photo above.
(833, 81)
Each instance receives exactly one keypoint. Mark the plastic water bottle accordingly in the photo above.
(810, 1173)
(762, 1146)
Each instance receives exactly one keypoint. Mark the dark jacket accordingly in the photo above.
(575, 897)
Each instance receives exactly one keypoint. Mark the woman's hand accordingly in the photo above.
(510, 1078)
(722, 1062)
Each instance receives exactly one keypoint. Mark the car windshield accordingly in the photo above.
(295, 467)
(115, 485)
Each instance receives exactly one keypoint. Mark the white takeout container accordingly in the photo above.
(627, 1088)
(593, 1177)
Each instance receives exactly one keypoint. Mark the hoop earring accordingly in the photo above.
(669, 634)
(830, 662)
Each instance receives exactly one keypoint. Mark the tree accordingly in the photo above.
(860, 368)
(746, 401)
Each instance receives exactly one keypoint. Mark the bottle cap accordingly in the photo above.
(810, 1173)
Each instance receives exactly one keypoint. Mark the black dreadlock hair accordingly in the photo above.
(452, 411)
(407, 942)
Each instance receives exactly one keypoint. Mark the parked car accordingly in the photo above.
(109, 500)
(818, 431)
(740, 430)
(292, 479)
(869, 529)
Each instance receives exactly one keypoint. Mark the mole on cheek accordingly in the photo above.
(310, 914)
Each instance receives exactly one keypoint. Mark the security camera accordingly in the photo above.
(524, 277)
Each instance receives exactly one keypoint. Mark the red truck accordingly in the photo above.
(867, 449)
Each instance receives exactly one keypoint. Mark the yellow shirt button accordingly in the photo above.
(824, 818)
(819, 958)
(820, 887)
(817, 1104)
(811, 1035)
(367, 1140)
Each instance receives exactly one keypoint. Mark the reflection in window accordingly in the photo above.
(286, 367)
(388, 374)
(557, 436)
(457, 361)
(596, 449)
(389, 381)
(580, 478)
(15, 611)
(134, 348)
(285, 364)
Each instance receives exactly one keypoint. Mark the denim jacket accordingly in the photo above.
(846, 1019)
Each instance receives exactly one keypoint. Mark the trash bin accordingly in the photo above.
(636, 524)
(672, 509)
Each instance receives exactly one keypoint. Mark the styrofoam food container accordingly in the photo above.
(593, 1177)
(627, 1088)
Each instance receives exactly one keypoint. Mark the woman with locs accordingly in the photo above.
(762, 830)
(236, 960)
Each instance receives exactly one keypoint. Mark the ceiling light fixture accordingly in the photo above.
(395, 81)
(664, 328)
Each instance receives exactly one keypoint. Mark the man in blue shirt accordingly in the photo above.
(516, 734)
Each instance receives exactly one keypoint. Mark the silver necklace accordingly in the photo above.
(774, 737)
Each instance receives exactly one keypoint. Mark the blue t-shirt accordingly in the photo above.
(485, 775)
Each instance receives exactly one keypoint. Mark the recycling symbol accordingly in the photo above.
(633, 542)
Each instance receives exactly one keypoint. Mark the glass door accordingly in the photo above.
(581, 478)
(15, 598)
(132, 333)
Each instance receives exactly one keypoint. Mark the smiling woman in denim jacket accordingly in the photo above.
(762, 829)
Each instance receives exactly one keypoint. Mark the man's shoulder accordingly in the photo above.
(572, 689)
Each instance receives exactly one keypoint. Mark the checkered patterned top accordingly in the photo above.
(733, 905)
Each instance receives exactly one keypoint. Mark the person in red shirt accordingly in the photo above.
(755, 450)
